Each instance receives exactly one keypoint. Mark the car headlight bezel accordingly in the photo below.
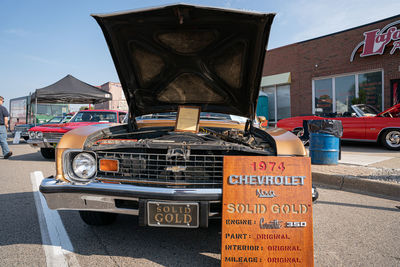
(69, 157)
(32, 135)
(39, 135)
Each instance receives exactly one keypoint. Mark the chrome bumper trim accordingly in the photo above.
(102, 197)
(48, 143)
(22, 133)
(36, 143)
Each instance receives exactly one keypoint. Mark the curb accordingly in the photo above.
(342, 182)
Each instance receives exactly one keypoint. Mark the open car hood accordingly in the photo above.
(395, 111)
(188, 55)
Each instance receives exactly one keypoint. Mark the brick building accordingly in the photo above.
(118, 101)
(332, 72)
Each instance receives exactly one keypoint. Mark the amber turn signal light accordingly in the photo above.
(108, 165)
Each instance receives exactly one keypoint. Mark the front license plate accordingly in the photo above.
(173, 214)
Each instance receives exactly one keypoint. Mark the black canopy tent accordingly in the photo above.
(69, 90)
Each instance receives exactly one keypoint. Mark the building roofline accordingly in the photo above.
(327, 35)
(18, 98)
(282, 46)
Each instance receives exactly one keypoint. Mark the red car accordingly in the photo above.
(46, 137)
(364, 123)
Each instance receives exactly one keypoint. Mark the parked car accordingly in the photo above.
(362, 123)
(59, 119)
(24, 128)
(47, 136)
(167, 59)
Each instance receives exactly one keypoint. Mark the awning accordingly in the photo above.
(277, 79)
(70, 90)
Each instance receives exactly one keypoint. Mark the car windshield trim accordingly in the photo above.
(55, 119)
(363, 110)
(92, 114)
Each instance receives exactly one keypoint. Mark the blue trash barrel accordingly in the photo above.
(324, 149)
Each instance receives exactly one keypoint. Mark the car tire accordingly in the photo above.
(48, 153)
(26, 138)
(97, 218)
(315, 194)
(391, 139)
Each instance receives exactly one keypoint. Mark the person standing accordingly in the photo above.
(3, 129)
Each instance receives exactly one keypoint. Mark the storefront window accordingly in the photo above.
(283, 101)
(323, 96)
(345, 92)
(270, 92)
(370, 89)
(278, 102)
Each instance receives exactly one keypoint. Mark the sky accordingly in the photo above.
(42, 41)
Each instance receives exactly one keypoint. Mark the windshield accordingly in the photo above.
(203, 116)
(55, 119)
(94, 116)
(363, 110)
(67, 118)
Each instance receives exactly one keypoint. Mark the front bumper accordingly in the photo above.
(126, 199)
(43, 143)
(22, 133)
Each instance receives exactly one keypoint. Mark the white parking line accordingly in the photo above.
(56, 243)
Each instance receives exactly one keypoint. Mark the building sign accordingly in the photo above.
(375, 41)
(267, 212)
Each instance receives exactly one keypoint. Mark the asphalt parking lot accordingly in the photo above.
(32, 235)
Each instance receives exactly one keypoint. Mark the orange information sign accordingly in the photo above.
(267, 212)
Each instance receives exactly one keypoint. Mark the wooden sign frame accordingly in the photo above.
(187, 119)
(267, 212)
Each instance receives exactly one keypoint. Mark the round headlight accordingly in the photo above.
(39, 135)
(31, 135)
(84, 165)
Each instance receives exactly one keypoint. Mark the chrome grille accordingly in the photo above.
(53, 136)
(151, 169)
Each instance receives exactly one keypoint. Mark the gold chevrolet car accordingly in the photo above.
(191, 77)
